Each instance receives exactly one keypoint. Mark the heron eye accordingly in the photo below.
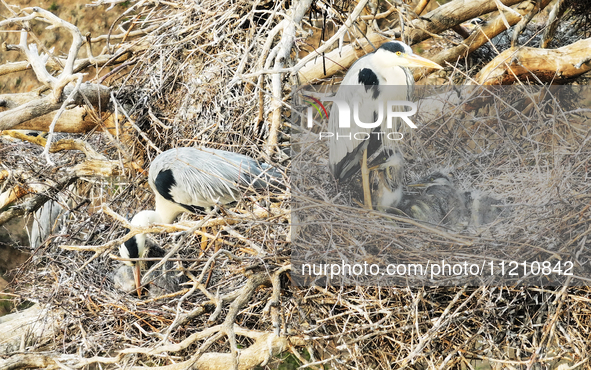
(398, 53)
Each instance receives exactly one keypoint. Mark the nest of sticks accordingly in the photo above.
(184, 91)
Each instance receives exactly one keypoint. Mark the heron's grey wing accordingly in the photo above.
(252, 172)
(203, 177)
(45, 222)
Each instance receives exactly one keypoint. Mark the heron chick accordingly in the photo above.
(483, 208)
(443, 200)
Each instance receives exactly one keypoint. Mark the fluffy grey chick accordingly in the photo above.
(440, 203)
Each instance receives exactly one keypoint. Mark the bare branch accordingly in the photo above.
(97, 94)
(283, 50)
(546, 64)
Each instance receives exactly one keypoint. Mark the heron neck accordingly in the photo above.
(146, 218)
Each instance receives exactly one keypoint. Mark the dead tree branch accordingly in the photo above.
(545, 64)
(440, 19)
(281, 52)
(482, 35)
(61, 95)
(97, 94)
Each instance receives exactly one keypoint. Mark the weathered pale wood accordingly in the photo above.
(547, 65)
(481, 35)
(75, 120)
(98, 95)
(445, 17)
(29, 325)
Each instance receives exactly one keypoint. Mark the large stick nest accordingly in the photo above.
(183, 92)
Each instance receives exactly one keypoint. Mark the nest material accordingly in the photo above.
(184, 81)
(538, 174)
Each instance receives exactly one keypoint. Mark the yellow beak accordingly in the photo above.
(138, 279)
(413, 60)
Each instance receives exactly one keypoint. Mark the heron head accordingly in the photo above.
(391, 168)
(396, 53)
(436, 178)
(135, 247)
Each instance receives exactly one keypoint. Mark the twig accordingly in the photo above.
(283, 50)
(66, 102)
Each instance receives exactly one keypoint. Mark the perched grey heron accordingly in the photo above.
(45, 221)
(161, 281)
(388, 65)
(190, 180)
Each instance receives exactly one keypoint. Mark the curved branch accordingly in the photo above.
(546, 64)
(98, 95)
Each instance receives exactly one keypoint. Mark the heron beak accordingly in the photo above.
(414, 60)
(416, 185)
(138, 279)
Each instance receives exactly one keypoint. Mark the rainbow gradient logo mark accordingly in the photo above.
(316, 104)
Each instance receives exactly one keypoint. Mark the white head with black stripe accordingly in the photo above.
(398, 54)
(136, 247)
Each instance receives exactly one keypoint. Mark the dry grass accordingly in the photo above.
(186, 81)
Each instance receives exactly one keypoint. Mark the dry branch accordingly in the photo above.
(451, 14)
(440, 19)
(282, 52)
(75, 120)
(482, 35)
(61, 95)
(259, 214)
(34, 322)
(547, 65)
(39, 61)
(98, 95)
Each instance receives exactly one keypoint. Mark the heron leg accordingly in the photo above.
(365, 181)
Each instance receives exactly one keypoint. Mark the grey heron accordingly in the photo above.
(45, 221)
(190, 180)
(388, 65)
(161, 281)
(441, 201)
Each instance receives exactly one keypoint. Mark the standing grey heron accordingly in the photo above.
(190, 180)
(387, 66)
